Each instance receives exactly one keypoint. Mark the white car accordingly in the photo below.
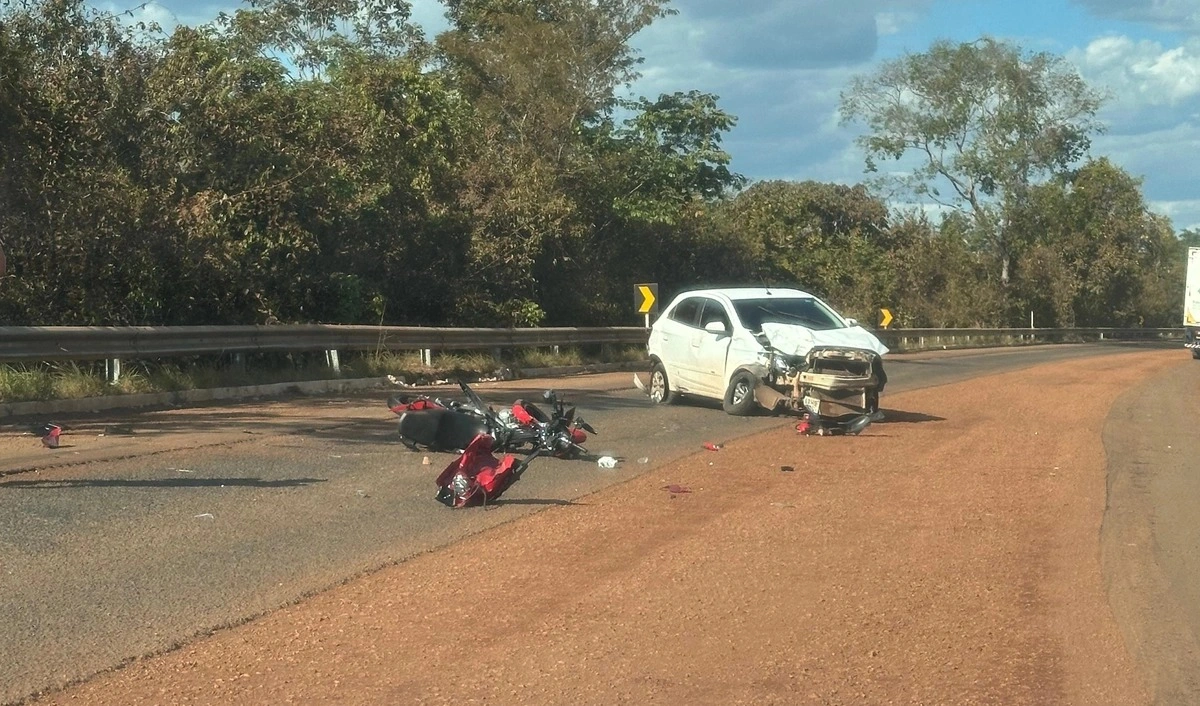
(765, 348)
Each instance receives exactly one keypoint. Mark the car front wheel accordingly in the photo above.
(739, 398)
(660, 385)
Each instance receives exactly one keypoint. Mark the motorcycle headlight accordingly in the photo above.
(460, 485)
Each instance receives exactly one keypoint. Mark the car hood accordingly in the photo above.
(794, 339)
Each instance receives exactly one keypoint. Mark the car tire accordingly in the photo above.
(660, 386)
(739, 398)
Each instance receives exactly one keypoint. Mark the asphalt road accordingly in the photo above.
(229, 514)
(1150, 542)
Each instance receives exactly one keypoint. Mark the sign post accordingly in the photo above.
(645, 300)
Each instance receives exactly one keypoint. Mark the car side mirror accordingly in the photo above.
(716, 327)
(852, 322)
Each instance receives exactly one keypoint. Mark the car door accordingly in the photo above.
(710, 349)
(678, 329)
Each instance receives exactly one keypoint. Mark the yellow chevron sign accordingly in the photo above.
(885, 318)
(645, 298)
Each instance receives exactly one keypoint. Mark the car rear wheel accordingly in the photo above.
(660, 386)
(739, 398)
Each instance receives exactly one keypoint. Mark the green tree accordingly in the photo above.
(644, 191)
(826, 238)
(938, 280)
(975, 125)
(538, 76)
(71, 213)
(307, 194)
(1095, 251)
(671, 156)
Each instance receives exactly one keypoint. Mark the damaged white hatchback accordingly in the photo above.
(772, 349)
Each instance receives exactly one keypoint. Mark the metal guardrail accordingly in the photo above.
(27, 344)
(926, 338)
(44, 343)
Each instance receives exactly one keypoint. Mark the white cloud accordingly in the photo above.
(779, 66)
(431, 15)
(1142, 73)
(1158, 158)
(792, 33)
(891, 23)
(167, 14)
(1175, 15)
(1184, 214)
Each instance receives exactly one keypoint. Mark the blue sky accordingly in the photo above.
(779, 66)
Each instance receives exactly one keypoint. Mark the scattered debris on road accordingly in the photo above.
(713, 447)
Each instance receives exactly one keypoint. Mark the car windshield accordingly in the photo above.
(807, 311)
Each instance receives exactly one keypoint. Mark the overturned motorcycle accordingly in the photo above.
(444, 425)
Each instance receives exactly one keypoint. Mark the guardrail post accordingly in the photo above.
(331, 359)
(112, 370)
(427, 357)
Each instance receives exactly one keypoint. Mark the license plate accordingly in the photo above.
(812, 404)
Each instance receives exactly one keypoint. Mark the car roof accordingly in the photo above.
(736, 293)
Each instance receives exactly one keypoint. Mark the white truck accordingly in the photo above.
(1191, 303)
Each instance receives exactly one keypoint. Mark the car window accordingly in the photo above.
(714, 311)
(807, 311)
(687, 311)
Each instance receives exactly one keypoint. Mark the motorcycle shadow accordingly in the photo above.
(534, 501)
(896, 416)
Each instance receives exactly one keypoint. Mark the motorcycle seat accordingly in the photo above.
(439, 429)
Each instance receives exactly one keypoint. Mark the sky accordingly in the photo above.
(780, 65)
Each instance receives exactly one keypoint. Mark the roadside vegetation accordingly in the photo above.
(51, 381)
(327, 161)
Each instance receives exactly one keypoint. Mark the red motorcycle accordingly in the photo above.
(442, 425)
(477, 477)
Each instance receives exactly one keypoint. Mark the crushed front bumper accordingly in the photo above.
(834, 384)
